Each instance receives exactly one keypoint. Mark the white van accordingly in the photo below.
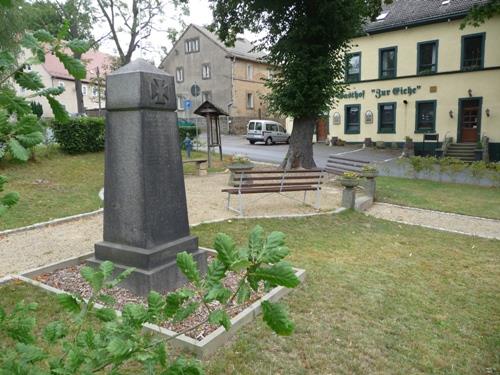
(269, 132)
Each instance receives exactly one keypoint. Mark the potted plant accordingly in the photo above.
(369, 171)
(238, 162)
(478, 152)
(349, 179)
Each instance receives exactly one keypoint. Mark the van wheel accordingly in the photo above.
(269, 141)
(252, 142)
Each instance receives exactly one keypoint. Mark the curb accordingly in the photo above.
(51, 222)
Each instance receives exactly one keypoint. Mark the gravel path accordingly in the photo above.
(473, 226)
(34, 248)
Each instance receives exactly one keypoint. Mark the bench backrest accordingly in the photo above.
(278, 178)
(338, 165)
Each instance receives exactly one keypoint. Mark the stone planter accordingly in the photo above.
(369, 174)
(349, 182)
(238, 167)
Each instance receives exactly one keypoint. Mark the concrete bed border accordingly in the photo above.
(200, 348)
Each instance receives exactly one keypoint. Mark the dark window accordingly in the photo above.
(352, 116)
(258, 126)
(427, 57)
(426, 117)
(353, 68)
(179, 75)
(192, 45)
(205, 71)
(473, 52)
(387, 118)
(251, 126)
(388, 63)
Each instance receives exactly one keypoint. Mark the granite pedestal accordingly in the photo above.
(145, 210)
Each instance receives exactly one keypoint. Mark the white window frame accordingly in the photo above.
(249, 71)
(192, 45)
(180, 102)
(95, 91)
(250, 100)
(84, 90)
(179, 74)
(206, 71)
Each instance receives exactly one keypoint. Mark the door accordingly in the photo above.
(283, 134)
(470, 120)
(321, 130)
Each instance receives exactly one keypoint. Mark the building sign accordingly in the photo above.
(396, 91)
(353, 95)
(378, 93)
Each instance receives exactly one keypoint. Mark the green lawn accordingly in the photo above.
(441, 196)
(57, 185)
(379, 298)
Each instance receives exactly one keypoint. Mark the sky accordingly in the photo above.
(200, 14)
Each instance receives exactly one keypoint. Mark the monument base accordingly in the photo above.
(164, 278)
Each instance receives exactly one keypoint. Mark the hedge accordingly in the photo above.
(80, 134)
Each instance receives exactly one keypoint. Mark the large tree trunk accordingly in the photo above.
(300, 151)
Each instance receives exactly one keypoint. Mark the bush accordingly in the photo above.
(80, 134)
(186, 130)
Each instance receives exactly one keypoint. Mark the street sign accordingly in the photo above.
(188, 104)
(195, 90)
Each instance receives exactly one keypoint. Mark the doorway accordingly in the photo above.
(469, 120)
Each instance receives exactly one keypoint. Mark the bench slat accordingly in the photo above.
(277, 178)
(269, 190)
(347, 159)
(304, 183)
(281, 171)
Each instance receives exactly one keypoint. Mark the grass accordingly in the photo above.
(441, 196)
(379, 298)
(56, 185)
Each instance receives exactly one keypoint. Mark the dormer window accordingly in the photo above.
(192, 45)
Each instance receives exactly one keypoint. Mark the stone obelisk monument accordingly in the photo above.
(145, 211)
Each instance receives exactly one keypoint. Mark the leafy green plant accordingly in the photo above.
(350, 175)
(186, 130)
(80, 134)
(239, 159)
(369, 168)
(119, 339)
(6, 200)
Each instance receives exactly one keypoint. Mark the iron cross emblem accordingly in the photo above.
(159, 91)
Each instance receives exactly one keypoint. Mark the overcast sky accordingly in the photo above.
(200, 14)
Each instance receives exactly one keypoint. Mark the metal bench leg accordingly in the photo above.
(305, 192)
(318, 199)
(228, 201)
(240, 204)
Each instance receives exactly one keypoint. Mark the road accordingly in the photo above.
(275, 153)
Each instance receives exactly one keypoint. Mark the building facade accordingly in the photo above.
(415, 72)
(232, 78)
(53, 74)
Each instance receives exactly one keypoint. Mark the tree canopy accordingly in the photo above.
(306, 41)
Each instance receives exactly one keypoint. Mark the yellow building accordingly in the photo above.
(415, 72)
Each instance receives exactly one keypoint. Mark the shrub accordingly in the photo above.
(119, 339)
(186, 130)
(80, 134)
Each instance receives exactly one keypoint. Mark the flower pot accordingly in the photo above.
(237, 167)
(349, 182)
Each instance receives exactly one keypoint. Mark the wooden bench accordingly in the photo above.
(274, 181)
(338, 165)
(198, 166)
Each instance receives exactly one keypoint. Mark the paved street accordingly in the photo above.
(274, 154)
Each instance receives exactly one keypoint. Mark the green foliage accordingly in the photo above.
(184, 131)
(452, 166)
(80, 134)
(307, 50)
(7, 200)
(120, 338)
(480, 13)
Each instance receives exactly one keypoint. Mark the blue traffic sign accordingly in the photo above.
(188, 104)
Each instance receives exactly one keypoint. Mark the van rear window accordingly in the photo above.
(258, 126)
(251, 126)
